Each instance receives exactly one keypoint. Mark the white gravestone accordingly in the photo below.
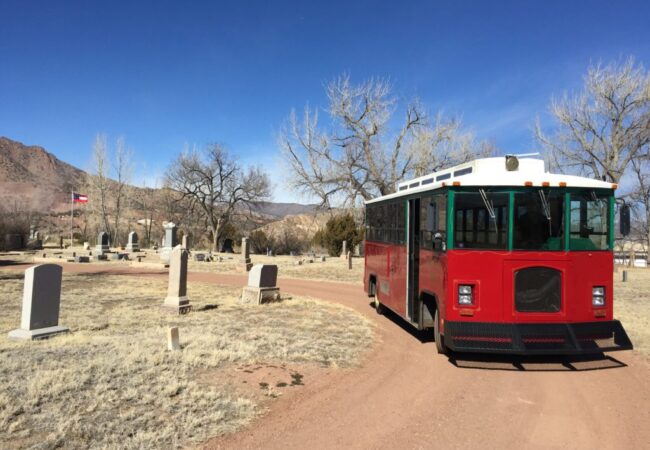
(41, 300)
(262, 285)
(133, 244)
(177, 289)
(102, 243)
(173, 341)
(344, 250)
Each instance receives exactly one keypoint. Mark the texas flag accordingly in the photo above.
(79, 198)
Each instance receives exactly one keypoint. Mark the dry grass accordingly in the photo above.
(111, 383)
(632, 306)
(333, 269)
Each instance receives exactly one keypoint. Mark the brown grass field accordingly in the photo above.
(111, 383)
(632, 306)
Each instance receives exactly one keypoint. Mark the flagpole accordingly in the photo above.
(71, 214)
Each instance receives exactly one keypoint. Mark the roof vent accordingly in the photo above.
(512, 163)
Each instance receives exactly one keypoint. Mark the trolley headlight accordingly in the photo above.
(598, 296)
(465, 294)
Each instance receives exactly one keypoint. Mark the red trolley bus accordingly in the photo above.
(498, 255)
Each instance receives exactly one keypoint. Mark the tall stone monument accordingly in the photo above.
(41, 299)
(262, 280)
(185, 242)
(133, 244)
(171, 241)
(176, 299)
(245, 258)
(344, 250)
(102, 243)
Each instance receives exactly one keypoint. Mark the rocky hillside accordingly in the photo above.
(33, 177)
(301, 226)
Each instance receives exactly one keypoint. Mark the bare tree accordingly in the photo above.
(212, 181)
(640, 197)
(99, 184)
(361, 157)
(606, 126)
(120, 191)
(108, 184)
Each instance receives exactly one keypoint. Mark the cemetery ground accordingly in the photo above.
(112, 383)
(393, 393)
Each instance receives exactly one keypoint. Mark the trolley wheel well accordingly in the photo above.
(429, 307)
(372, 286)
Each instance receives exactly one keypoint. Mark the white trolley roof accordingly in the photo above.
(493, 172)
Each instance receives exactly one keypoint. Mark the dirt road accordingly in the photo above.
(407, 396)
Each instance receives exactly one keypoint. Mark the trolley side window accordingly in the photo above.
(433, 222)
(385, 222)
(589, 226)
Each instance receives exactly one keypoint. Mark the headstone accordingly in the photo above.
(13, 242)
(173, 341)
(298, 263)
(185, 242)
(323, 259)
(101, 257)
(60, 241)
(177, 289)
(102, 243)
(262, 281)
(116, 256)
(41, 300)
(357, 250)
(170, 241)
(200, 257)
(349, 260)
(226, 247)
(133, 244)
(245, 259)
(82, 259)
(269, 252)
(344, 249)
(86, 246)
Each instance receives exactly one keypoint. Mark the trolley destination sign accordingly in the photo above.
(499, 255)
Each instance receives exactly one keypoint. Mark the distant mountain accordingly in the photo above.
(37, 179)
(31, 175)
(280, 210)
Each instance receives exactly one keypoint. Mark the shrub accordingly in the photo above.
(339, 229)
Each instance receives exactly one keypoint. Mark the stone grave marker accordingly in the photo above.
(82, 259)
(177, 289)
(200, 257)
(323, 258)
(41, 300)
(349, 260)
(262, 285)
(102, 243)
(185, 242)
(245, 258)
(344, 250)
(133, 244)
(173, 341)
(171, 241)
(86, 246)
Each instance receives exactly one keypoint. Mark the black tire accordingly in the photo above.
(440, 344)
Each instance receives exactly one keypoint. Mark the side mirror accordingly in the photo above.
(624, 220)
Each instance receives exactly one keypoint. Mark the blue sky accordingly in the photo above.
(164, 74)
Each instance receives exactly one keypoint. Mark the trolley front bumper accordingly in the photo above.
(536, 338)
